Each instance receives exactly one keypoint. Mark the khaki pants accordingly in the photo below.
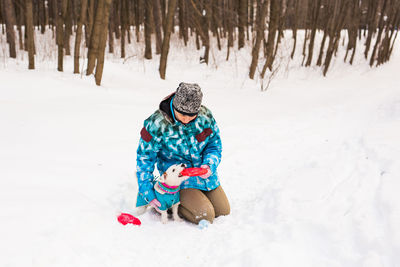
(197, 205)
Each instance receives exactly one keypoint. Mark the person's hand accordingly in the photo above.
(208, 173)
(155, 204)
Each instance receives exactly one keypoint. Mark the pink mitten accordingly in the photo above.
(155, 203)
(208, 173)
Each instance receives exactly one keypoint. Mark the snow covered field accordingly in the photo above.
(311, 166)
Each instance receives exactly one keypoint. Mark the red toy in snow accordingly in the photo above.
(126, 218)
(194, 171)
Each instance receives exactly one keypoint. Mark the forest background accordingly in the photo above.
(260, 24)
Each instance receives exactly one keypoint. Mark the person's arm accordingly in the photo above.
(145, 163)
(213, 149)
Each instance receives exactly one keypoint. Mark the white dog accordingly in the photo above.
(167, 192)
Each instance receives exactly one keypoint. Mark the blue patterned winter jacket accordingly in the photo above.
(165, 141)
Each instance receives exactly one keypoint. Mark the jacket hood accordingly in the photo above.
(165, 107)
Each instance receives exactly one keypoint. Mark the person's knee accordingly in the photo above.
(219, 201)
(222, 209)
(195, 206)
(205, 211)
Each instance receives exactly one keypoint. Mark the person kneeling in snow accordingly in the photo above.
(183, 131)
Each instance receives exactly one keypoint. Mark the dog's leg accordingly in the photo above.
(175, 213)
(164, 216)
(140, 210)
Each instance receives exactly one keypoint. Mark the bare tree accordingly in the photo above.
(157, 25)
(334, 34)
(9, 16)
(78, 36)
(29, 30)
(124, 26)
(261, 13)
(111, 27)
(229, 25)
(371, 23)
(98, 27)
(61, 12)
(272, 28)
(378, 38)
(42, 16)
(68, 27)
(103, 19)
(243, 4)
(90, 20)
(295, 12)
(316, 7)
(167, 36)
(183, 30)
(147, 29)
(353, 25)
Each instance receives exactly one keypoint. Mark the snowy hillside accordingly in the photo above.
(311, 166)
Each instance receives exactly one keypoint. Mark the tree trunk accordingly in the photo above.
(94, 46)
(117, 18)
(183, 30)
(206, 26)
(334, 37)
(42, 16)
(385, 53)
(163, 11)
(294, 27)
(60, 32)
(216, 23)
(68, 28)
(305, 23)
(229, 21)
(147, 30)
(128, 21)
(261, 14)
(137, 19)
(326, 24)
(26, 27)
(157, 25)
(167, 35)
(378, 38)
(353, 24)
(78, 37)
(272, 28)
(9, 16)
(242, 21)
(111, 28)
(372, 14)
(123, 26)
(103, 24)
(251, 16)
(19, 26)
(315, 16)
(321, 50)
(29, 30)
(89, 22)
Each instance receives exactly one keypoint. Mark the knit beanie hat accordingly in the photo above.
(187, 100)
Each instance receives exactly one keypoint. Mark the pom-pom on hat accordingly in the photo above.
(187, 99)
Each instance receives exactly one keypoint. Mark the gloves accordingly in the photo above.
(208, 173)
(155, 204)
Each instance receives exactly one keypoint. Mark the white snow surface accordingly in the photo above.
(311, 166)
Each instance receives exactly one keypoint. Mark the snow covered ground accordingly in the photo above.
(310, 166)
